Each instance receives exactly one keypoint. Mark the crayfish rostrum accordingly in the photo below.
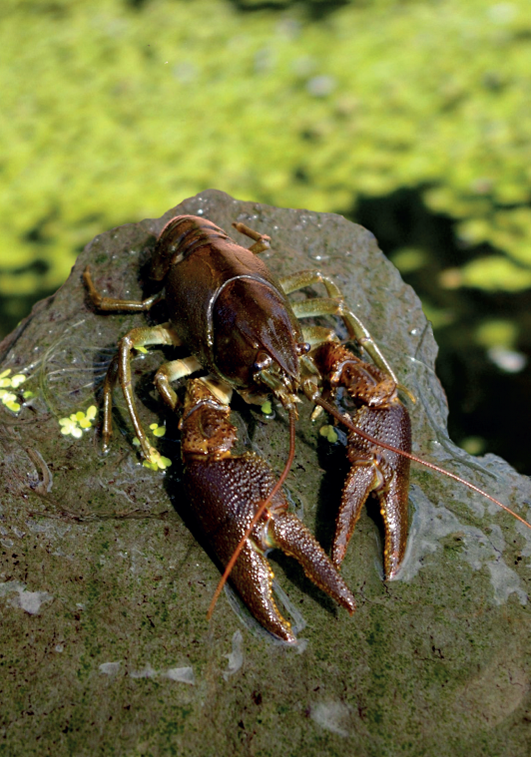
(243, 334)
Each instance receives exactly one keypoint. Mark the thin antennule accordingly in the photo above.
(258, 514)
(348, 423)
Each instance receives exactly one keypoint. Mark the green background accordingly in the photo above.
(411, 117)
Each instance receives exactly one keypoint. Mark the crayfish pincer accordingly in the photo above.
(234, 318)
(224, 492)
(374, 469)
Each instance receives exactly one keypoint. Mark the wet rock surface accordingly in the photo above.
(104, 587)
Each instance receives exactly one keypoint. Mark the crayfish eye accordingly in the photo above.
(263, 361)
(303, 348)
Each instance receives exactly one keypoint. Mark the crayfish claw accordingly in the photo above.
(225, 491)
(387, 483)
(379, 413)
(395, 516)
(290, 535)
(252, 577)
(358, 485)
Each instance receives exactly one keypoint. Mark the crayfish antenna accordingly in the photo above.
(352, 427)
(259, 512)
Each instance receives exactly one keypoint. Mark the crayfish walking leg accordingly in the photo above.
(225, 491)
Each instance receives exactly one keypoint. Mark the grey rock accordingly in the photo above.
(104, 589)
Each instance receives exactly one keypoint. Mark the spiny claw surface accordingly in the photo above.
(379, 413)
(225, 491)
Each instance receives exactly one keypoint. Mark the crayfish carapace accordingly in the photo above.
(236, 321)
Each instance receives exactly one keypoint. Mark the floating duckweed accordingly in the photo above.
(11, 382)
(157, 430)
(157, 461)
(78, 422)
(10, 400)
(69, 427)
(91, 412)
(85, 419)
(267, 408)
(329, 433)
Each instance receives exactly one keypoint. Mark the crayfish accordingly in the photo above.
(243, 334)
